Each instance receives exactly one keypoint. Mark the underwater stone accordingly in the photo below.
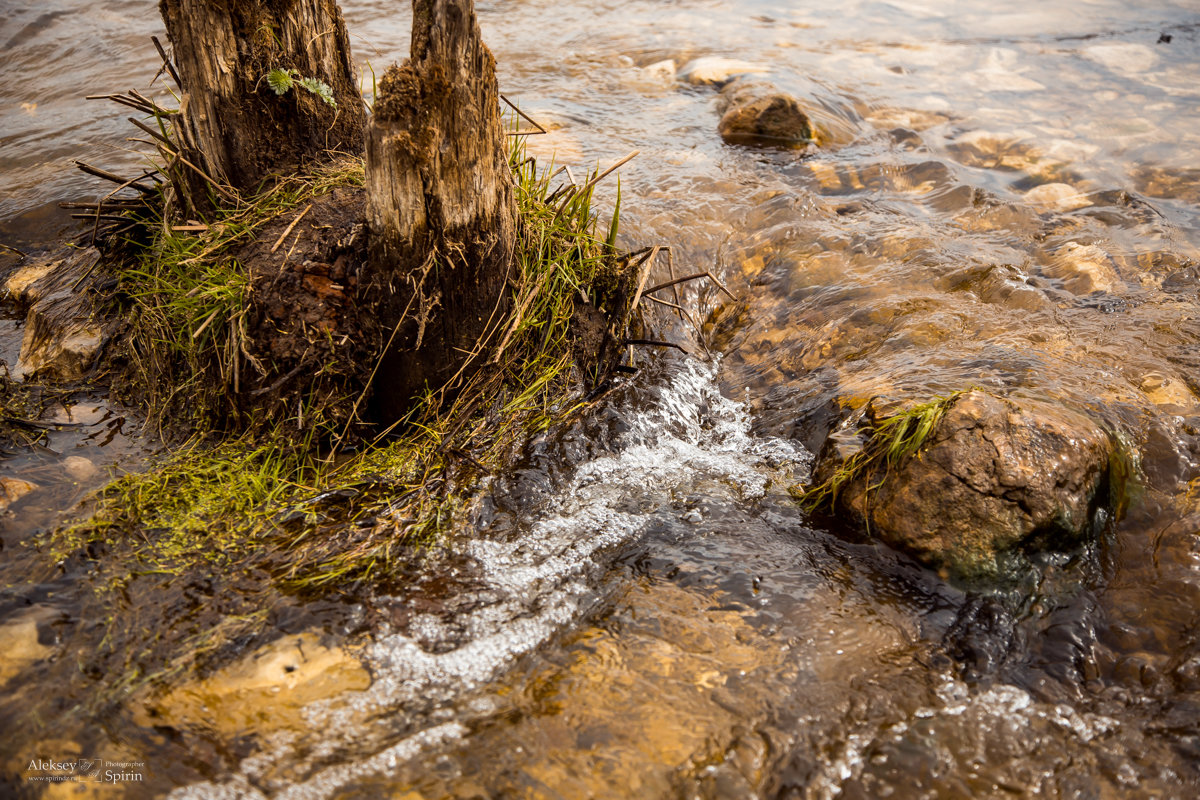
(80, 468)
(1083, 269)
(1056, 197)
(1126, 57)
(1165, 390)
(62, 337)
(754, 112)
(660, 72)
(714, 70)
(12, 490)
(994, 477)
(62, 349)
(20, 645)
(265, 691)
(20, 282)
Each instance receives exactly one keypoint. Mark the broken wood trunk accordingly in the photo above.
(440, 206)
(229, 55)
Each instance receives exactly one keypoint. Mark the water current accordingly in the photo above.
(1004, 196)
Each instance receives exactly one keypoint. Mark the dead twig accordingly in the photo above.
(655, 343)
(114, 204)
(156, 134)
(290, 228)
(12, 249)
(671, 275)
(101, 217)
(281, 381)
(683, 314)
(108, 176)
(695, 277)
(526, 117)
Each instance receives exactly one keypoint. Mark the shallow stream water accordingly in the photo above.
(1005, 196)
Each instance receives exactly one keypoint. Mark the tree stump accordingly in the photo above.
(232, 118)
(440, 208)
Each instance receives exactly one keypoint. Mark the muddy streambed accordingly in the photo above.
(1004, 198)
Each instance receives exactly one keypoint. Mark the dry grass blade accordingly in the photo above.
(584, 189)
(519, 316)
(204, 326)
(887, 443)
(647, 263)
(290, 228)
(225, 191)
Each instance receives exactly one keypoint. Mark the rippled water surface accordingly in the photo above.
(1004, 196)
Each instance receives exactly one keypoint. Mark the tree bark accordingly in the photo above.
(232, 119)
(440, 207)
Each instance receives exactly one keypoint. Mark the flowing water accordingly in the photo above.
(1005, 196)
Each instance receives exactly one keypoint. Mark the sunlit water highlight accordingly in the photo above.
(1005, 197)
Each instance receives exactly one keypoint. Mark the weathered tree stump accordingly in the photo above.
(440, 207)
(233, 121)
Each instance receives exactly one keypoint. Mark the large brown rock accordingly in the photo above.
(993, 477)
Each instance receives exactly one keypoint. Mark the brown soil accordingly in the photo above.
(309, 327)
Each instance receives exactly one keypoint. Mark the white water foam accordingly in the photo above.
(688, 431)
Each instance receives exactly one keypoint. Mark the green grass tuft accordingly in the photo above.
(888, 442)
(186, 297)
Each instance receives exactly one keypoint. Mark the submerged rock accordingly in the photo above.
(12, 490)
(658, 74)
(79, 468)
(265, 691)
(20, 644)
(755, 112)
(1056, 197)
(18, 286)
(1083, 269)
(714, 70)
(1165, 390)
(993, 477)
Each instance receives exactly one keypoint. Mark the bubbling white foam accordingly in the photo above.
(541, 580)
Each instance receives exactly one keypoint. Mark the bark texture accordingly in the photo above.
(233, 121)
(440, 207)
